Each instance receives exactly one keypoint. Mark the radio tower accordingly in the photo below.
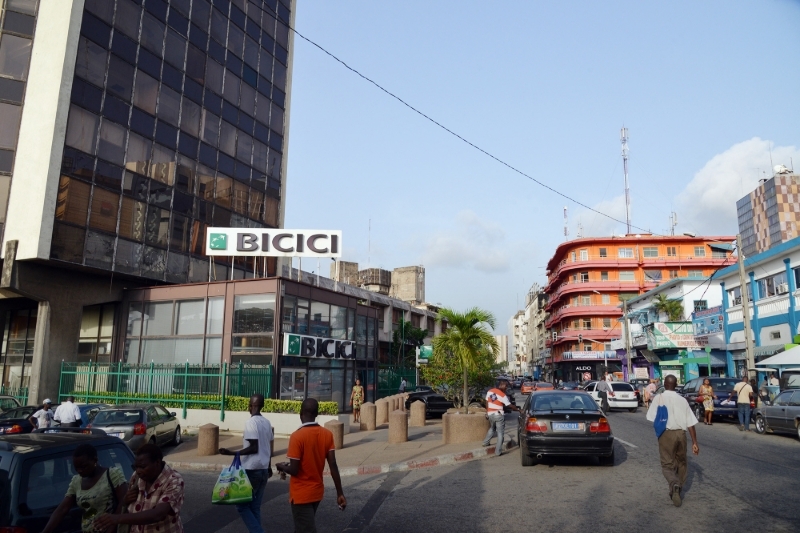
(566, 229)
(623, 136)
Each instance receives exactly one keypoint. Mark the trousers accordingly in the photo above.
(672, 452)
(304, 515)
(497, 424)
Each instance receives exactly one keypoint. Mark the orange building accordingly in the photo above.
(589, 278)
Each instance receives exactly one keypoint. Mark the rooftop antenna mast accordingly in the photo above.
(623, 136)
(673, 221)
(566, 228)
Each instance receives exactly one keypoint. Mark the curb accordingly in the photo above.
(368, 470)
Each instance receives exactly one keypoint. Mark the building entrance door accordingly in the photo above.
(293, 384)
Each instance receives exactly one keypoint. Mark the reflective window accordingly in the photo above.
(22, 6)
(175, 49)
(169, 105)
(127, 20)
(105, 205)
(120, 78)
(11, 90)
(112, 142)
(146, 92)
(214, 75)
(152, 34)
(15, 53)
(227, 138)
(210, 128)
(139, 153)
(82, 129)
(9, 125)
(72, 202)
(91, 62)
(190, 317)
(157, 318)
(190, 117)
(131, 220)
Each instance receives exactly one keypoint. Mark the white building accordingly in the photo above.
(502, 357)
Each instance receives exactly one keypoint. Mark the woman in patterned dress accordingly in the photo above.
(708, 400)
(356, 399)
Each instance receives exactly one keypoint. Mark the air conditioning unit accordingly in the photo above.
(782, 288)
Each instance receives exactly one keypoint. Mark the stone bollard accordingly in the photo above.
(368, 417)
(208, 440)
(382, 412)
(403, 402)
(337, 428)
(417, 414)
(398, 427)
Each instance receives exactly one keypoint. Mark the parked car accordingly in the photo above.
(639, 384)
(527, 387)
(783, 416)
(36, 469)
(139, 424)
(722, 388)
(542, 385)
(517, 383)
(15, 421)
(561, 422)
(570, 385)
(624, 395)
(437, 404)
(8, 402)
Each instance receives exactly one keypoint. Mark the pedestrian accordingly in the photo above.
(604, 390)
(96, 490)
(707, 393)
(650, 391)
(672, 443)
(43, 418)
(496, 400)
(744, 393)
(403, 385)
(256, 456)
(763, 392)
(773, 380)
(309, 447)
(154, 499)
(67, 414)
(356, 400)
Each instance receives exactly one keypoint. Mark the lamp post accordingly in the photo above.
(748, 340)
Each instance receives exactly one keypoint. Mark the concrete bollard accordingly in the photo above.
(417, 414)
(402, 402)
(337, 428)
(381, 412)
(368, 417)
(398, 427)
(208, 440)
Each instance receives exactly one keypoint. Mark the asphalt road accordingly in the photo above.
(740, 481)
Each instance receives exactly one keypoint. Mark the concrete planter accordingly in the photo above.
(458, 427)
(283, 424)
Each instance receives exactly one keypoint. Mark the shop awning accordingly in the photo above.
(789, 357)
(771, 349)
(720, 246)
(650, 356)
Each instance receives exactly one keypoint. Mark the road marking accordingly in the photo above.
(626, 443)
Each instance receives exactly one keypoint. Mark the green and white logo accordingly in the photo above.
(293, 345)
(218, 241)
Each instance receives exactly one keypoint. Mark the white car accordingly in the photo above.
(624, 395)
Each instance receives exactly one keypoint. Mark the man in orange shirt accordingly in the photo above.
(309, 447)
(496, 401)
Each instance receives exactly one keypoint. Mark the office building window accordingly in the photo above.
(699, 251)
(625, 253)
(604, 275)
(586, 299)
(627, 275)
(603, 252)
(673, 274)
(584, 255)
(700, 305)
(650, 251)
(606, 299)
(695, 273)
(587, 323)
(652, 275)
(672, 251)
(606, 323)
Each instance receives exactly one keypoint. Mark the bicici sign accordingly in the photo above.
(318, 347)
(268, 242)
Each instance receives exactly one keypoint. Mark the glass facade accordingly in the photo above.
(17, 26)
(16, 352)
(176, 122)
(97, 329)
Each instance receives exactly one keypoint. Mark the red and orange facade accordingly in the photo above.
(589, 278)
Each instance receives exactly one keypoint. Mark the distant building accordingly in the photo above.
(502, 357)
(408, 284)
(770, 214)
(403, 283)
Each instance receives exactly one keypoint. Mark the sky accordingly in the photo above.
(709, 91)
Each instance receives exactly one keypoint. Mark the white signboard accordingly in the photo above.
(269, 242)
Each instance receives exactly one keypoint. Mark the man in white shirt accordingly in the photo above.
(672, 443)
(68, 414)
(773, 381)
(744, 394)
(258, 441)
(42, 418)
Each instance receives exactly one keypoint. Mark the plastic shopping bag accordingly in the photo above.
(662, 415)
(233, 485)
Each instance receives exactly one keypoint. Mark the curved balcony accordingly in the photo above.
(578, 286)
(571, 335)
(583, 311)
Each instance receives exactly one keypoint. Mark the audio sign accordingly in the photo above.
(269, 242)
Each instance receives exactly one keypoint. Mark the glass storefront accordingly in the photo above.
(16, 353)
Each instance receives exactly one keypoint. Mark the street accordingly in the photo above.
(739, 481)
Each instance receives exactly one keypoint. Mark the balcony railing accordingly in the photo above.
(636, 258)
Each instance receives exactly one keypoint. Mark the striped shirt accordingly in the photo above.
(495, 400)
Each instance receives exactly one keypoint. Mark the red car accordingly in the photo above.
(543, 385)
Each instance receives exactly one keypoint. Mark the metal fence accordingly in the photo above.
(185, 386)
(389, 378)
(20, 393)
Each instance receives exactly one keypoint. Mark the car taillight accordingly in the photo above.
(601, 426)
(139, 429)
(534, 426)
(13, 529)
(16, 428)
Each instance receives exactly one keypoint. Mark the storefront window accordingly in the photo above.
(303, 316)
(16, 356)
(338, 322)
(254, 313)
(320, 320)
(289, 316)
(216, 312)
(190, 317)
(97, 326)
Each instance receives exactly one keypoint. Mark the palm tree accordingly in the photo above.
(673, 309)
(466, 337)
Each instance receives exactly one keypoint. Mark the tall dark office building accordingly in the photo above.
(126, 128)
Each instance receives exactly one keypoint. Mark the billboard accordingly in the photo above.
(708, 321)
(268, 242)
(673, 335)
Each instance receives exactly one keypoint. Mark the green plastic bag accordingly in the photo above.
(233, 485)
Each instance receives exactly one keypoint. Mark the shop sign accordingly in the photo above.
(268, 242)
(590, 355)
(308, 346)
(424, 354)
(708, 321)
(673, 335)
(583, 368)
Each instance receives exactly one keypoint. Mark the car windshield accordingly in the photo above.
(569, 402)
(22, 412)
(570, 384)
(621, 387)
(117, 417)
(724, 385)
(544, 386)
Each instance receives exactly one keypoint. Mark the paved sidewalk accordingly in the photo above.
(364, 452)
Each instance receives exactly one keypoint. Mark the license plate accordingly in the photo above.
(568, 426)
(118, 435)
(625, 395)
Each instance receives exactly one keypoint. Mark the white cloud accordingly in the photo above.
(708, 203)
(472, 243)
(596, 225)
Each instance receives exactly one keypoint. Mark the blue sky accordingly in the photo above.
(708, 90)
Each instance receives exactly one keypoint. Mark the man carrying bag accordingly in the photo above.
(256, 459)
(672, 438)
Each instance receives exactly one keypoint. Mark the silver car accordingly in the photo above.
(139, 424)
(783, 416)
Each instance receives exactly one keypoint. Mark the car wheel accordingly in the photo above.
(607, 461)
(525, 458)
(176, 439)
(761, 426)
(633, 409)
(797, 426)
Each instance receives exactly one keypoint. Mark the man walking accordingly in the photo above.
(672, 443)
(68, 414)
(309, 447)
(496, 400)
(43, 418)
(744, 393)
(256, 457)
(604, 390)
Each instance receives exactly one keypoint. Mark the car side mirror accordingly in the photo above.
(173, 414)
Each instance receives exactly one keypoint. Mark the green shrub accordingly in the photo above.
(210, 401)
